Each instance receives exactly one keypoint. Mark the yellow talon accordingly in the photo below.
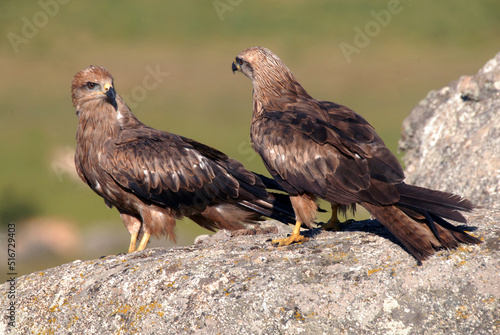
(295, 237)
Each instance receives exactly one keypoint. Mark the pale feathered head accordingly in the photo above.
(94, 83)
(259, 62)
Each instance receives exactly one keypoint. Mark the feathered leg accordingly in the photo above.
(133, 226)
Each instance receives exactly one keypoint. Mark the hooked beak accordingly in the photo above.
(235, 67)
(111, 94)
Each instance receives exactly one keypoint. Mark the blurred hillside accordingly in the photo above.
(378, 57)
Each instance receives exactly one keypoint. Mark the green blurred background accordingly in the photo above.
(420, 46)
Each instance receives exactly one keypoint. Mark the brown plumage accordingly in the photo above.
(153, 177)
(321, 149)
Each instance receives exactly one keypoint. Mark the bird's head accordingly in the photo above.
(266, 70)
(94, 83)
(269, 75)
(257, 61)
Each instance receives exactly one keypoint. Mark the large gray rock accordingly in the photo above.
(351, 282)
(451, 139)
(357, 281)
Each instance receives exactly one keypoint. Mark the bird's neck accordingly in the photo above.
(101, 120)
(95, 126)
(275, 92)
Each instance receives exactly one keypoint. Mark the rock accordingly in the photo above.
(451, 139)
(357, 281)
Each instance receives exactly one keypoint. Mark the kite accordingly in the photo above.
(154, 177)
(319, 149)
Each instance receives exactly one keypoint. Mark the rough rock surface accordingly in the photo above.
(354, 282)
(358, 281)
(451, 139)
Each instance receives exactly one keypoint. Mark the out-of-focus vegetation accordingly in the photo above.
(419, 46)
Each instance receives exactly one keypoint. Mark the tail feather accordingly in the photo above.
(420, 231)
(431, 220)
(417, 238)
(439, 203)
(232, 216)
(434, 209)
(431, 207)
(427, 195)
(458, 233)
(226, 216)
(276, 205)
(262, 208)
(269, 183)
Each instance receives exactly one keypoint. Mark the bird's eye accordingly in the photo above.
(91, 85)
(240, 61)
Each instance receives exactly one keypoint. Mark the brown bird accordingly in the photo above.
(153, 177)
(321, 149)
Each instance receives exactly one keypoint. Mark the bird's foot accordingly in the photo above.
(293, 238)
(289, 240)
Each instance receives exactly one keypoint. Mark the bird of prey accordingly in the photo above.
(153, 177)
(321, 149)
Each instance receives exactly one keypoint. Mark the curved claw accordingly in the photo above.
(289, 240)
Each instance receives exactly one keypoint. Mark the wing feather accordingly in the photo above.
(165, 169)
(328, 150)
